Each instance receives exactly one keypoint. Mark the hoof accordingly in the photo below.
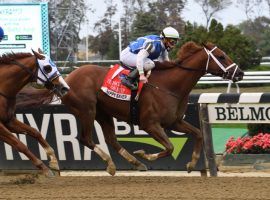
(111, 169)
(190, 167)
(56, 172)
(141, 167)
(54, 166)
(49, 173)
(140, 153)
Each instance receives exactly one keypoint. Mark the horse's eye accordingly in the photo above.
(47, 69)
(221, 57)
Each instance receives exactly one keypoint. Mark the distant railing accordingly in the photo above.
(84, 62)
(251, 77)
(65, 67)
(265, 61)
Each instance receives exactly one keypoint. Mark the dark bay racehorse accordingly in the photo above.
(162, 102)
(16, 70)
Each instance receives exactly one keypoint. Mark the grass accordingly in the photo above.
(229, 125)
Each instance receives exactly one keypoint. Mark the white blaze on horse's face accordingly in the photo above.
(222, 67)
(47, 70)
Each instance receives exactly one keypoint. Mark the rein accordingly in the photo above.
(33, 75)
(24, 68)
(209, 55)
(163, 90)
(190, 69)
(197, 70)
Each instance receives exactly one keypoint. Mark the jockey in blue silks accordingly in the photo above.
(141, 53)
(1, 33)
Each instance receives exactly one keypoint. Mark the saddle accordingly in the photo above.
(113, 87)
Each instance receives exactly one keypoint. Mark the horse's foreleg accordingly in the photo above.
(183, 126)
(20, 128)
(87, 123)
(158, 133)
(108, 128)
(7, 137)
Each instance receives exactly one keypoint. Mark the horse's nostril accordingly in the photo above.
(64, 90)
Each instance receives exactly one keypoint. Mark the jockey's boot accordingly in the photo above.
(130, 80)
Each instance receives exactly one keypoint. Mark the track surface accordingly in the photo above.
(129, 187)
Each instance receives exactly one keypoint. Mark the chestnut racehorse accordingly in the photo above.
(162, 102)
(16, 70)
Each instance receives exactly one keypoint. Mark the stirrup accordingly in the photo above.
(126, 82)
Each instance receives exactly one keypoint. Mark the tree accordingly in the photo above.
(168, 13)
(268, 4)
(105, 40)
(160, 13)
(129, 9)
(192, 32)
(249, 7)
(143, 25)
(212, 7)
(259, 30)
(66, 17)
(241, 48)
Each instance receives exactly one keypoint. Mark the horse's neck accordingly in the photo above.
(179, 81)
(14, 78)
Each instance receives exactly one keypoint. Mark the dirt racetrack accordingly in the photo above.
(134, 187)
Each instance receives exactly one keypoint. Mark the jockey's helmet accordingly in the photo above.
(1, 33)
(170, 37)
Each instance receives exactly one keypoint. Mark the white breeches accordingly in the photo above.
(130, 59)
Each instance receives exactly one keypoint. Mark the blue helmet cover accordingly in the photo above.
(1, 32)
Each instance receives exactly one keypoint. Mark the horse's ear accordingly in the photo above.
(38, 55)
(204, 45)
(40, 51)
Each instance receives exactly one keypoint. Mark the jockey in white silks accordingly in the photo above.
(141, 53)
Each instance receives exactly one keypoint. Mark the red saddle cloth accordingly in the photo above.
(113, 87)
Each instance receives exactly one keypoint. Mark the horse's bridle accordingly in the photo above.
(210, 55)
(225, 70)
(34, 76)
(205, 70)
(25, 69)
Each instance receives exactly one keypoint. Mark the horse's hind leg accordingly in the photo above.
(18, 127)
(108, 128)
(158, 133)
(183, 126)
(7, 137)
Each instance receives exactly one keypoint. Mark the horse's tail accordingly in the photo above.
(31, 97)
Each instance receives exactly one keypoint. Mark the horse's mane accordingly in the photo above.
(187, 50)
(164, 65)
(184, 52)
(8, 57)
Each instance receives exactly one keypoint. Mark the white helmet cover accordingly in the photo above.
(170, 32)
